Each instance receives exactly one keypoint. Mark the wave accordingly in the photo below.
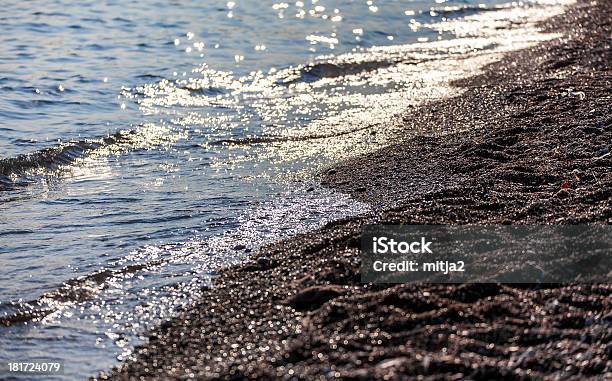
(332, 70)
(464, 10)
(25, 169)
(251, 140)
(73, 291)
(14, 171)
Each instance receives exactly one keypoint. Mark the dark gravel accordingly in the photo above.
(537, 151)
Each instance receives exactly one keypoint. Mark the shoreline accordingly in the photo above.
(534, 149)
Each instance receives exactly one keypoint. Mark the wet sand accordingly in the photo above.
(536, 149)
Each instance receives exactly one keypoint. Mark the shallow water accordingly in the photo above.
(146, 145)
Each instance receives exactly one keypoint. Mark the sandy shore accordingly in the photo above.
(536, 150)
